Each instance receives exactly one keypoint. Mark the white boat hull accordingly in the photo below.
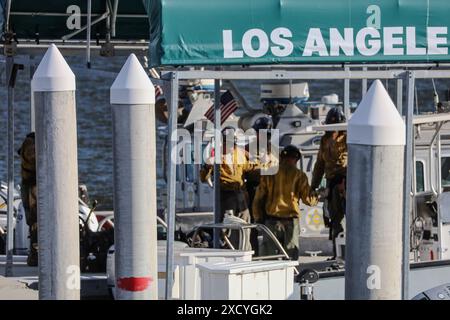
(423, 276)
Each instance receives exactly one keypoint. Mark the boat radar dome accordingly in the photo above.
(330, 99)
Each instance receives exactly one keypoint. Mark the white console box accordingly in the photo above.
(189, 258)
(255, 280)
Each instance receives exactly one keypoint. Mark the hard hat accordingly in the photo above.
(335, 115)
(263, 123)
(290, 151)
(228, 130)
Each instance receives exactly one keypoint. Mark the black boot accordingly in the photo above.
(32, 259)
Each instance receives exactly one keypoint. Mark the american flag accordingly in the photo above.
(158, 91)
(227, 106)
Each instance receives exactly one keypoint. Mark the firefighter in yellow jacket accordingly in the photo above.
(28, 193)
(332, 162)
(276, 202)
(267, 161)
(235, 163)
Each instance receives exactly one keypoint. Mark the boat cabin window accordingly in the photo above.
(420, 180)
(445, 171)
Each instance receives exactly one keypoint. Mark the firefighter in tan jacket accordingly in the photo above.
(332, 162)
(235, 163)
(276, 203)
(29, 193)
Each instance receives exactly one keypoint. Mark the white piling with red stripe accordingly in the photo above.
(134, 149)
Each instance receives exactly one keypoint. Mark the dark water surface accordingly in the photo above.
(94, 119)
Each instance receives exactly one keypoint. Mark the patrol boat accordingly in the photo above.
(300, 124)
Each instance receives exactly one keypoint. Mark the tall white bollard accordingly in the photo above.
(134, 145)
(57, 178)
(376, 140)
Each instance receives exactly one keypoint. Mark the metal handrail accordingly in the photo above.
(438, 130)
(241, 228)
(275, 256)
(161, 222)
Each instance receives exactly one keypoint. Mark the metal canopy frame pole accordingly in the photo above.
(10, 195)
(88, 33)
(364, 84)
(108, 22)
(347, 94)
(400, 95)
(443, 73)
(171, 194)
(114, 17)
(439, 162)
(290, 75)
(8, 14)
(217, 160)
(410, 78)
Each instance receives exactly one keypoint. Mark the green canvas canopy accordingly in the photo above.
(224, 32)
(33, 20)
(241, 32)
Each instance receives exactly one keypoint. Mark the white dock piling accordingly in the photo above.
(134, 146)
(57, 178)
(376, 140)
